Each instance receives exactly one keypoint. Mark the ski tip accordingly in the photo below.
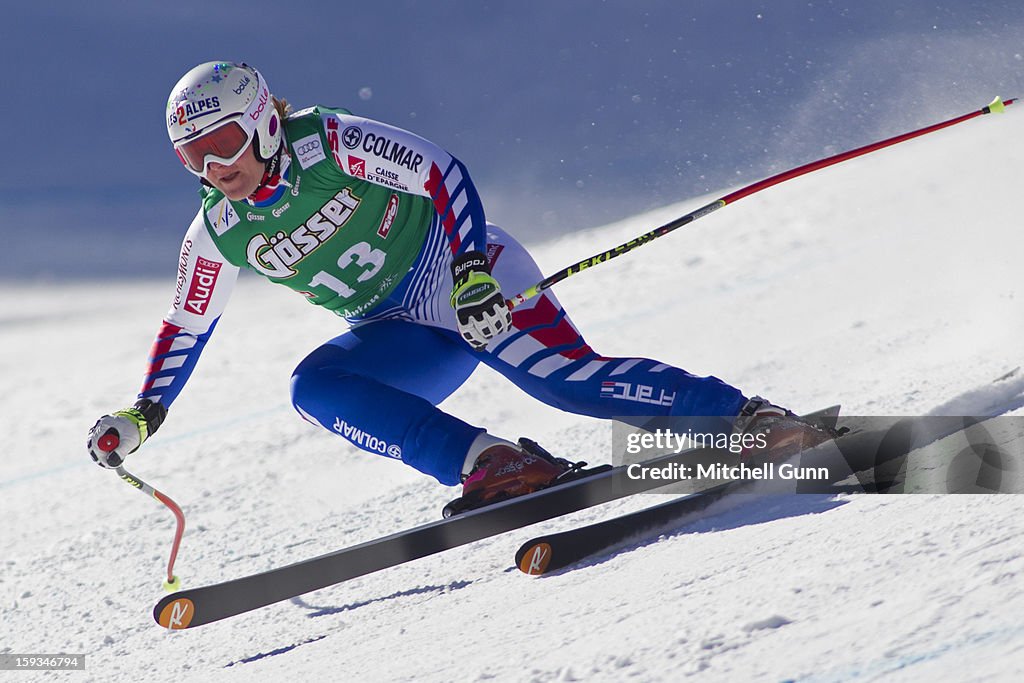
(534, 558)
(174, 614)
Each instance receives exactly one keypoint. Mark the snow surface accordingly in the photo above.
(889, 283)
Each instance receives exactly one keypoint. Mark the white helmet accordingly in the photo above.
(216, 110)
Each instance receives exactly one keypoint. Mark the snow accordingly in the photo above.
(889, 283)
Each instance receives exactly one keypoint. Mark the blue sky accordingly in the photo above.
(569, 113)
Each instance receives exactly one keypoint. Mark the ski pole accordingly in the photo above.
(995, 106)
(172, 583)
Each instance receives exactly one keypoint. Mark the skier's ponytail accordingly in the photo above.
(282, 107)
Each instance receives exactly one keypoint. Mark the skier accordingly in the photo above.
(386, 230)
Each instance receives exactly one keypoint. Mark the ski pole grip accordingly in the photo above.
(110, 440)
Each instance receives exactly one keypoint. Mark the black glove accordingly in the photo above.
(477, 299)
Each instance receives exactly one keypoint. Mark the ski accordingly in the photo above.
(194, 607)
(549, 553)
(877, 452)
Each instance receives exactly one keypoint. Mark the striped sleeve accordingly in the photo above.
(458, 206)
(395, 158)
(204, 284)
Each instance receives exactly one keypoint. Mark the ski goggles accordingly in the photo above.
(223, 145)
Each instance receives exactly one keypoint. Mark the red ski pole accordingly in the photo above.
(172, 583)
(995, 106)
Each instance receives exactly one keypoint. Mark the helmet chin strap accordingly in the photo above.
(273, 177)
(270, 165)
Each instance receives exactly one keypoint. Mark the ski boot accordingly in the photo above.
(505, 471)
(779, 432)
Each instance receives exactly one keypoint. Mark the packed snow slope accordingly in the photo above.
(890, 283)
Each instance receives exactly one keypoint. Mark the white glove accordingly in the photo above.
(113, 437)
